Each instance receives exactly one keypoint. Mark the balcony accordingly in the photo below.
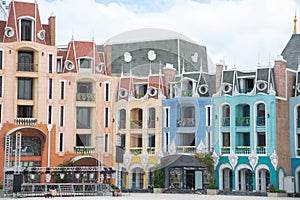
(225, 150)
(26, 67)
(186, 122)
(226, 121)
(84, 149)
(242, 150)
(260, 121)
(261, 150)
(136, 124)
(243, 121)
(245, 90)
(25, 121)
(85, 97)
(187, 93)
(151, 150)
(185, 149)
(136, 150)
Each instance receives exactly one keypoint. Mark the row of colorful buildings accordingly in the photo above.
(143, 98)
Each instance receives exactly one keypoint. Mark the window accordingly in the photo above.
(123, 140)
(25, 61)
(61, 142)
(62, 90)
(208, 140)
(49, 114)
(106, 91)
(1, 59)
(208, 115)
(246, 85)
(167, 117)
(140, 90)
(50, 89)
(25, 112)
(83, 117)
(84, 87)
(0, 113)
(0, 86)
(136, 140)
(106, 143)
(261, 139)
(26, 30)
(59, 68)
(167, 141)
(151, 118)
(122, 122)
(106, 118)
(61, 120)
(50, 63)
(151, 140)
(260, 119)
(226, 115)
(242, 139)
(298, 140)
(83, 140)
(25, 86)
(85, 63)
(298, 117)
(226, 139)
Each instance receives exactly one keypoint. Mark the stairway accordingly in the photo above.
(66, 190)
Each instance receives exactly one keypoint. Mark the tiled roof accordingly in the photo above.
(291, 52)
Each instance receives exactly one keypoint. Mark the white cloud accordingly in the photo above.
(243, 32)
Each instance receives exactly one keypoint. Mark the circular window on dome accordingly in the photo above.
(298, 87)
(123, 93)
(9, 32)
(261, 85)
(69, 65)
(152, 91)
(226, 88)
(41, 34)
(203, 89)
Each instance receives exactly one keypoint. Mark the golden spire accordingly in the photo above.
(295, 24)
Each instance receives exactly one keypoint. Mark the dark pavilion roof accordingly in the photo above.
(291, 52)
(180, 160)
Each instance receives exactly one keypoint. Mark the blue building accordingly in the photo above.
(187, 124)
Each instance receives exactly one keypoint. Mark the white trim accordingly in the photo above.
(104, 117)
(67, 63)
(61, 64)
(106, 145)
(165, 142)
(59, 141)
(167, 112)
(61, 116)
(51, 114)
(50, 86)
(19, 19)
(208, 115)
(221, 168)
(297, 181)
(51, 53)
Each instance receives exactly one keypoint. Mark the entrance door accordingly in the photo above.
(249, 180)
(190, 179)
(227, 176)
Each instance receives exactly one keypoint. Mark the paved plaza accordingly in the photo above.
(151, 196)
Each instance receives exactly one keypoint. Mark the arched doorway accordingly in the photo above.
(137, 178)
(225, 177)
(244, 178)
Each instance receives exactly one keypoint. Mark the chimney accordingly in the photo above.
(52, 29)
(219, 69)
(169, 73)
(280, 76)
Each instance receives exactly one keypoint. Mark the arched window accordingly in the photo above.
(122, 120)
(226, 115)
(151, 117)
(260, 118)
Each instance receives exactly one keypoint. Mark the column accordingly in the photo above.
(138, 179)
(243, 182)
(147, 179)
(130, 179)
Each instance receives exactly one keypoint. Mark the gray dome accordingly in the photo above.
(146, 34)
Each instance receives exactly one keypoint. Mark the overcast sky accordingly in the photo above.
(241, 32)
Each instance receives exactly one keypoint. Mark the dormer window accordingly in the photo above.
(85, 64)
(26, 29)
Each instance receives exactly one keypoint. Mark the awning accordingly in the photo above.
(180, 160)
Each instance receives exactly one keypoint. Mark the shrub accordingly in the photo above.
(272, 188)
(212, 186)
(158, 179)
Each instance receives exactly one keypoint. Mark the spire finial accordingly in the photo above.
(295, 24)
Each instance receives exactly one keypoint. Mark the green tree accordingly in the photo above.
(158, 179)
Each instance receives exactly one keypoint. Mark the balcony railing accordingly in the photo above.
(187, 93)
(185, 149)
(245, 90)
(84, 149)
(243, 121)
(260, 120)
(151, 150)
(26, 67)
(136, 150)
(25, 121)
(226, 121)
(186, 122)
(261, 150)
(242, 150)
(85, 97)
(225, 150)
